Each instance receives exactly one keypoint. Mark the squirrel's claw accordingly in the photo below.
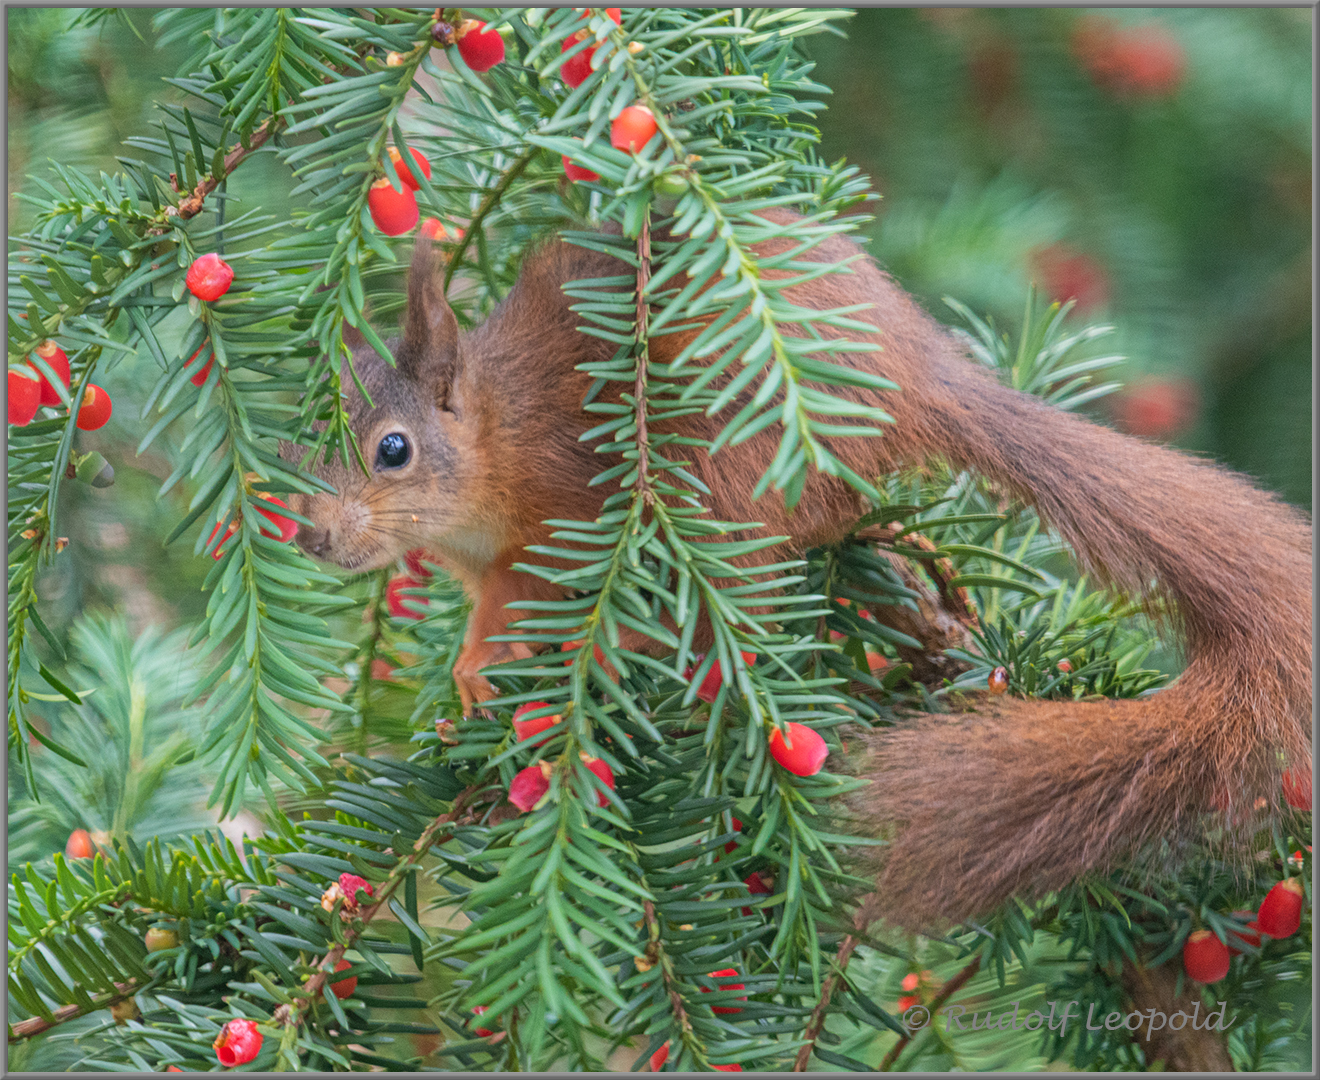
(473, 687)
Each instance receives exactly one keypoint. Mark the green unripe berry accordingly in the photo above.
(158, 938)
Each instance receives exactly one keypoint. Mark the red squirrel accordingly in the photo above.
(473, 442)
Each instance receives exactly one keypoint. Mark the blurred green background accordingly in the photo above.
(1154, 165)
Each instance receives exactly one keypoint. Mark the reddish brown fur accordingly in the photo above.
(1020, 798)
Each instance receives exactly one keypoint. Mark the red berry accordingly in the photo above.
(209, 277)
(606, 775)
(906, 1002)
(756, 884)
(413, 559)
(1152, 62)
(729, 847)
(1205, 957)
(911, 981)
(1065, 666)
(381, 670)
(659, 1058)
(726, 1068)
(709, 689)
(632, 129)
(400, 606)
(1065, 274)
(95, 409)
(577, 172)
(573, 646)
(219, 551)
(58, 362)
(174, 1068)
(1156, 408)
(576, 69)
(616, 14)
(1144, 60)
(160, 937)
(1244, 936)
(344, 987)
(350, 885)
(238, 1043)
(285, 528)
(79, 845)
(803, 754)
(1281, 911)
(1297, 789)
(725, 986)
(24, 397)
(998, 681)
(394, 212)
(481, 49)
(405, 173)
(199, 376)
(525, 729)
(478, 1010)
(432, 229)
(528, 787)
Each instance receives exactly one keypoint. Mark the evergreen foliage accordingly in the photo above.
(602, 924)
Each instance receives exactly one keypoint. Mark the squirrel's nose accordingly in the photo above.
(314, 541)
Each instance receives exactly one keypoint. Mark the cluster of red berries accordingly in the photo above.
(209, 278)
(1141, 61)
(1206, 958)
(529, 786)
(29, 390)
(394, 210)
(915, 986)
(659, 1058)
(802, 752)
(632, 129)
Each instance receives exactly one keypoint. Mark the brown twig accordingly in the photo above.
(26, 1029)
(818, 1013)
(192, 205)
(429, 837)
(487, 204)
(949, 989)
(639, 387)
(666, 969)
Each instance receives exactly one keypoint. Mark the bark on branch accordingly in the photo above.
(26, 1029)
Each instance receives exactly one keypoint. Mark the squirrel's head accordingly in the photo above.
(415, 435)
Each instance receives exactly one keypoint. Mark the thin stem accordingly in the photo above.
(950, 988)
(643, 359)
(666, 970)
(817, 1021)
(26, 1029)
(487, 204)
(430, 837)
(193, 203)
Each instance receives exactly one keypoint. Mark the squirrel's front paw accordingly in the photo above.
(473, 687)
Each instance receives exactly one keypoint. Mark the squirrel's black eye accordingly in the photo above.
(393, 452)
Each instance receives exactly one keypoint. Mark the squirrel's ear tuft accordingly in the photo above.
(429, 352)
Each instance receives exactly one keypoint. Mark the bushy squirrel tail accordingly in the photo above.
(1021, 797)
